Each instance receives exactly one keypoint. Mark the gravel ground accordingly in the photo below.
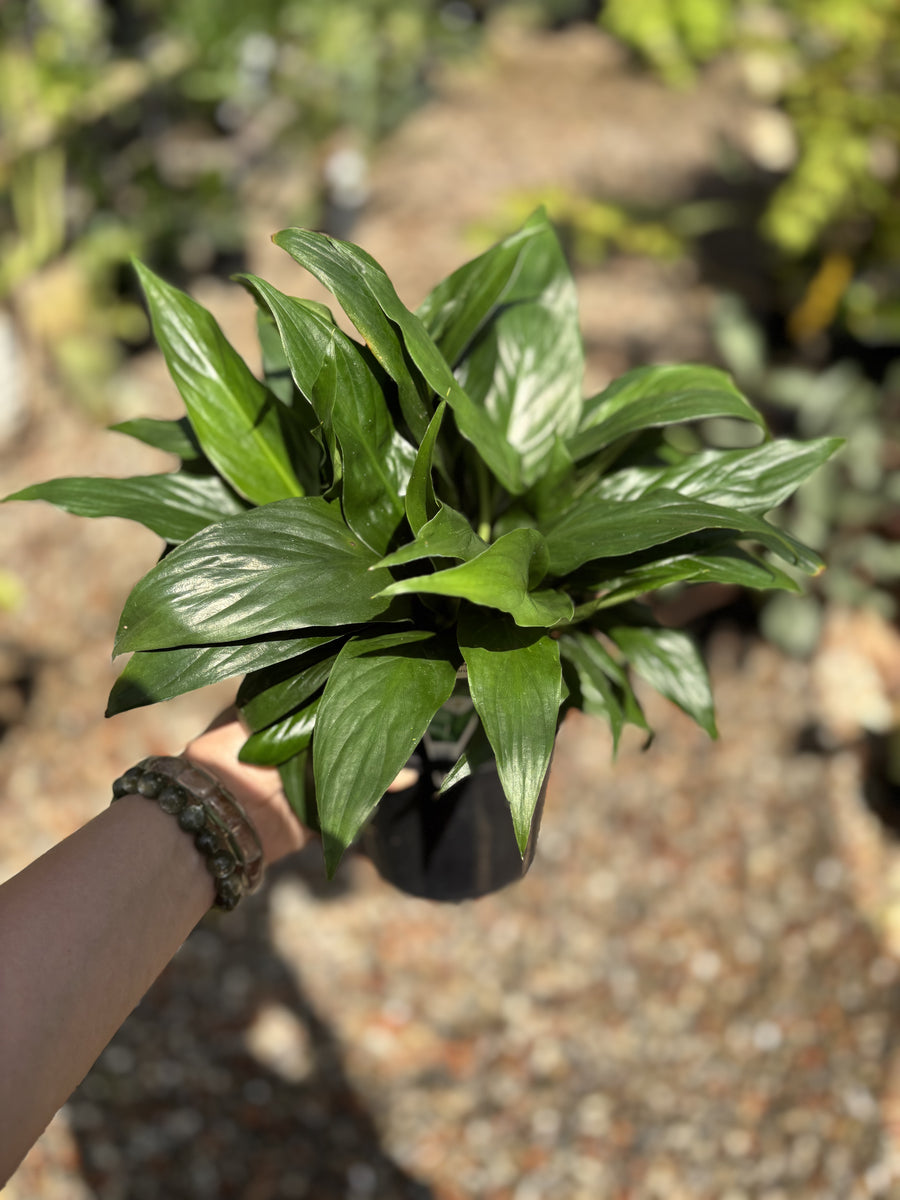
(692, 995)
(682, 999)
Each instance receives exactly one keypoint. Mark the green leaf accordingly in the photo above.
(592, 665)
(237, 420)
(593, 529)
(447, 535)
(275, 366)
(461, 304)
(154, 675)
(288, 565)
(650, 397)
(526, 366)
(296, 779)
(379, 700)
(370, 301)
(174, 506)
(555, 490)
(754, 480)
(274, 745)
(600, 657)
(331, 372)
(421, 502)
(270, 694)
(499, 577)
(303, 437)
(174, 437)
(669, 661)
(336, 266)
(477, 752)
(515, 679)
(729, 565)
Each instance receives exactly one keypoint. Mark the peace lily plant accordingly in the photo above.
(369, 518)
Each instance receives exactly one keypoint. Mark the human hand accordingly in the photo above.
(258, 789)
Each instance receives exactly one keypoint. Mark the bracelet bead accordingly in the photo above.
(150, 785)
(206, 842)
(192, 818)
(172, 799)
(220, 865)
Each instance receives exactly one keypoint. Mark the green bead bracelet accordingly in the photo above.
(203, 808)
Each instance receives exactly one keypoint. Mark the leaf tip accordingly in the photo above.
(333, 851)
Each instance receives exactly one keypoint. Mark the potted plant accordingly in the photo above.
(428, 539)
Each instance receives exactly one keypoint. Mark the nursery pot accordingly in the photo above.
(458, 845)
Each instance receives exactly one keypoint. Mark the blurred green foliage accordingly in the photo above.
(133, 128)
(590, 229)
(850, 511)
(832, 69)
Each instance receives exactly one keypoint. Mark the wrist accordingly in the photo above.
(207, 813)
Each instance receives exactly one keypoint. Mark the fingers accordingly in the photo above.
(407, 778)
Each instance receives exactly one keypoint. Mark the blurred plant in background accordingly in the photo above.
(826, 74)
(593, 229)
(133, 128)
(851, 511)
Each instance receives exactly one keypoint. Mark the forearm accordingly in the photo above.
(84, 931)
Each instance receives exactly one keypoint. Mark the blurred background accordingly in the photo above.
(694, 994)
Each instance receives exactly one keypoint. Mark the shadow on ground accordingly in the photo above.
(180, 1106)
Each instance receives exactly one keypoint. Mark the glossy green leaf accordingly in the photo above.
(448, 534)
(555, 490)
(461, 304)
(728, 565)
(754, 480)
(598, 693)
(287, 565)
(515, 680)
(274, 745)
(303, 437)
(379, 700)
(651, 397)
(592, 529)
(237, 420)
(500, 577)
(304, 331)
(331, 372)
(334, 264)
(370, 301)
(275, 367)
(296, 780)
(154, 675)
(421, 502)
(477, 752)
(174, 437)
(669, 661)
(526, 366)
(267, 695)
(602, 660)
(174, 506)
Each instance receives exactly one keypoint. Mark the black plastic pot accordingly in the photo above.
(455, 846)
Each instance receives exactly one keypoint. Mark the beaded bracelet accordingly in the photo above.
(202, 806)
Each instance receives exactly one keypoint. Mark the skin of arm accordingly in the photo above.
(86, 929)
